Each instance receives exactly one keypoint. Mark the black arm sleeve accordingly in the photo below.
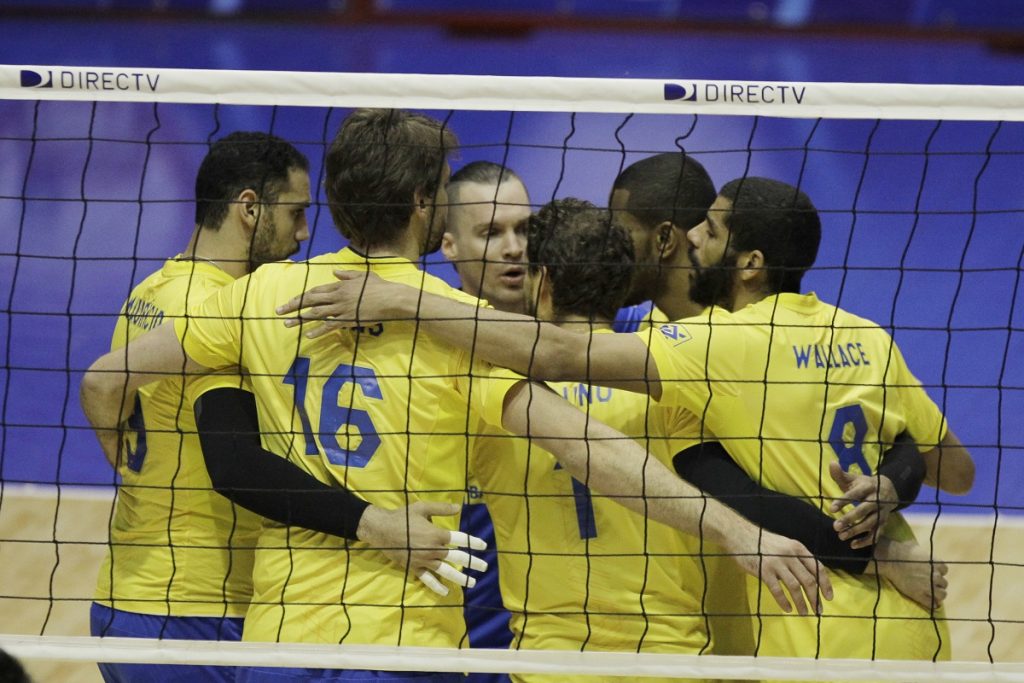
(709, 467)
(261, 481)
(904, 465)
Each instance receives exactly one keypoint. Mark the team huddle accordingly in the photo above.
(679, 451)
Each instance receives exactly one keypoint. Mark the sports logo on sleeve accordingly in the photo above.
(677, 333)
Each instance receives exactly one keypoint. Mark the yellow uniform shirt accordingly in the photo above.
(790, 384)
(375, 409)
(578, 570)
(176, 547)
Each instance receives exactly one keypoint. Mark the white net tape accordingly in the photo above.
(498, 661)
(514, 93)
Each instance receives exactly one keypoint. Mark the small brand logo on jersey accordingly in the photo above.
(675, 91)
(736, 93)
(676, 333)
(86, 79)
(35, 79)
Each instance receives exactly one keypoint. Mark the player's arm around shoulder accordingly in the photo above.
(107, 392)
(539, 350)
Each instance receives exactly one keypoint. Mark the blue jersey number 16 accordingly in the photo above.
(333, 416)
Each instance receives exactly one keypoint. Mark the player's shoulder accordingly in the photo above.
(841, 318)
(179, 282)
(680, 331)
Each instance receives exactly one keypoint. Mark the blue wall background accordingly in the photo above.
(923, 234)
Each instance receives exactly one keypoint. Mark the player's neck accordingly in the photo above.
(745, 297)
(403, 248)
(218, 249)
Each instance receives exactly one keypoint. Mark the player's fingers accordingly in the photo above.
(428, 508)
(431, 582)
(839, 475)
(862, 530)
(942, 567)
(317, 312)
(349, 275)
(821, 583)
(463, 559)
(446, 571)
(320, 330)
(796, 592)
(775, 588)
(461, 539)
(311, 297)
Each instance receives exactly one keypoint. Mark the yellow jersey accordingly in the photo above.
(376, 409)
(788, 385)
(176, 546)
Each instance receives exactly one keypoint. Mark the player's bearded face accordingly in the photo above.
(712, 284)
(271, 242)
(282, 223)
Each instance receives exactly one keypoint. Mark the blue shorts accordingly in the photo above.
(486, 616)
(282, 675)
(105, 621)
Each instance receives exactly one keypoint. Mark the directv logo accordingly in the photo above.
(32, 79)
(744, 93)
(89, 80)
(674, 91)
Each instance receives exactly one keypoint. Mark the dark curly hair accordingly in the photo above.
(588, 259)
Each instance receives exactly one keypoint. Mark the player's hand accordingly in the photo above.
(357, 298)
(873, 498)
(786, 566)
(912, 571)
(409, 539)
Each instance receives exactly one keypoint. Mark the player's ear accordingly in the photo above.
(247, 206)
(420, 200)
(545, 284)
(448, 248)
(751, 265)
(670, 239)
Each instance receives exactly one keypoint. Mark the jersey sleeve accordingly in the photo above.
(486, 388)
(226, 378)
(925, 422)
(696, 361)
(211, 335)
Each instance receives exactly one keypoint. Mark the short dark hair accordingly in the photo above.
(243, 161)
(671, 187)
(377, 161)
(780, 221)
(588, 259)
(485, 173)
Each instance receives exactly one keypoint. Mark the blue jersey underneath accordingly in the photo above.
(630, 318)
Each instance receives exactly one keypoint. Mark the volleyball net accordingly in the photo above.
(917, 187)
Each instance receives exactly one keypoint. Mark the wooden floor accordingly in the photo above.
(49, 550)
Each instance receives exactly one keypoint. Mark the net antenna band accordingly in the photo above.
(515, 93)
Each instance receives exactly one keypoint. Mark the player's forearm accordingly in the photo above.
(950, 466)
(518, 342)
(245, 473)
(106, 402)
(710, 468)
